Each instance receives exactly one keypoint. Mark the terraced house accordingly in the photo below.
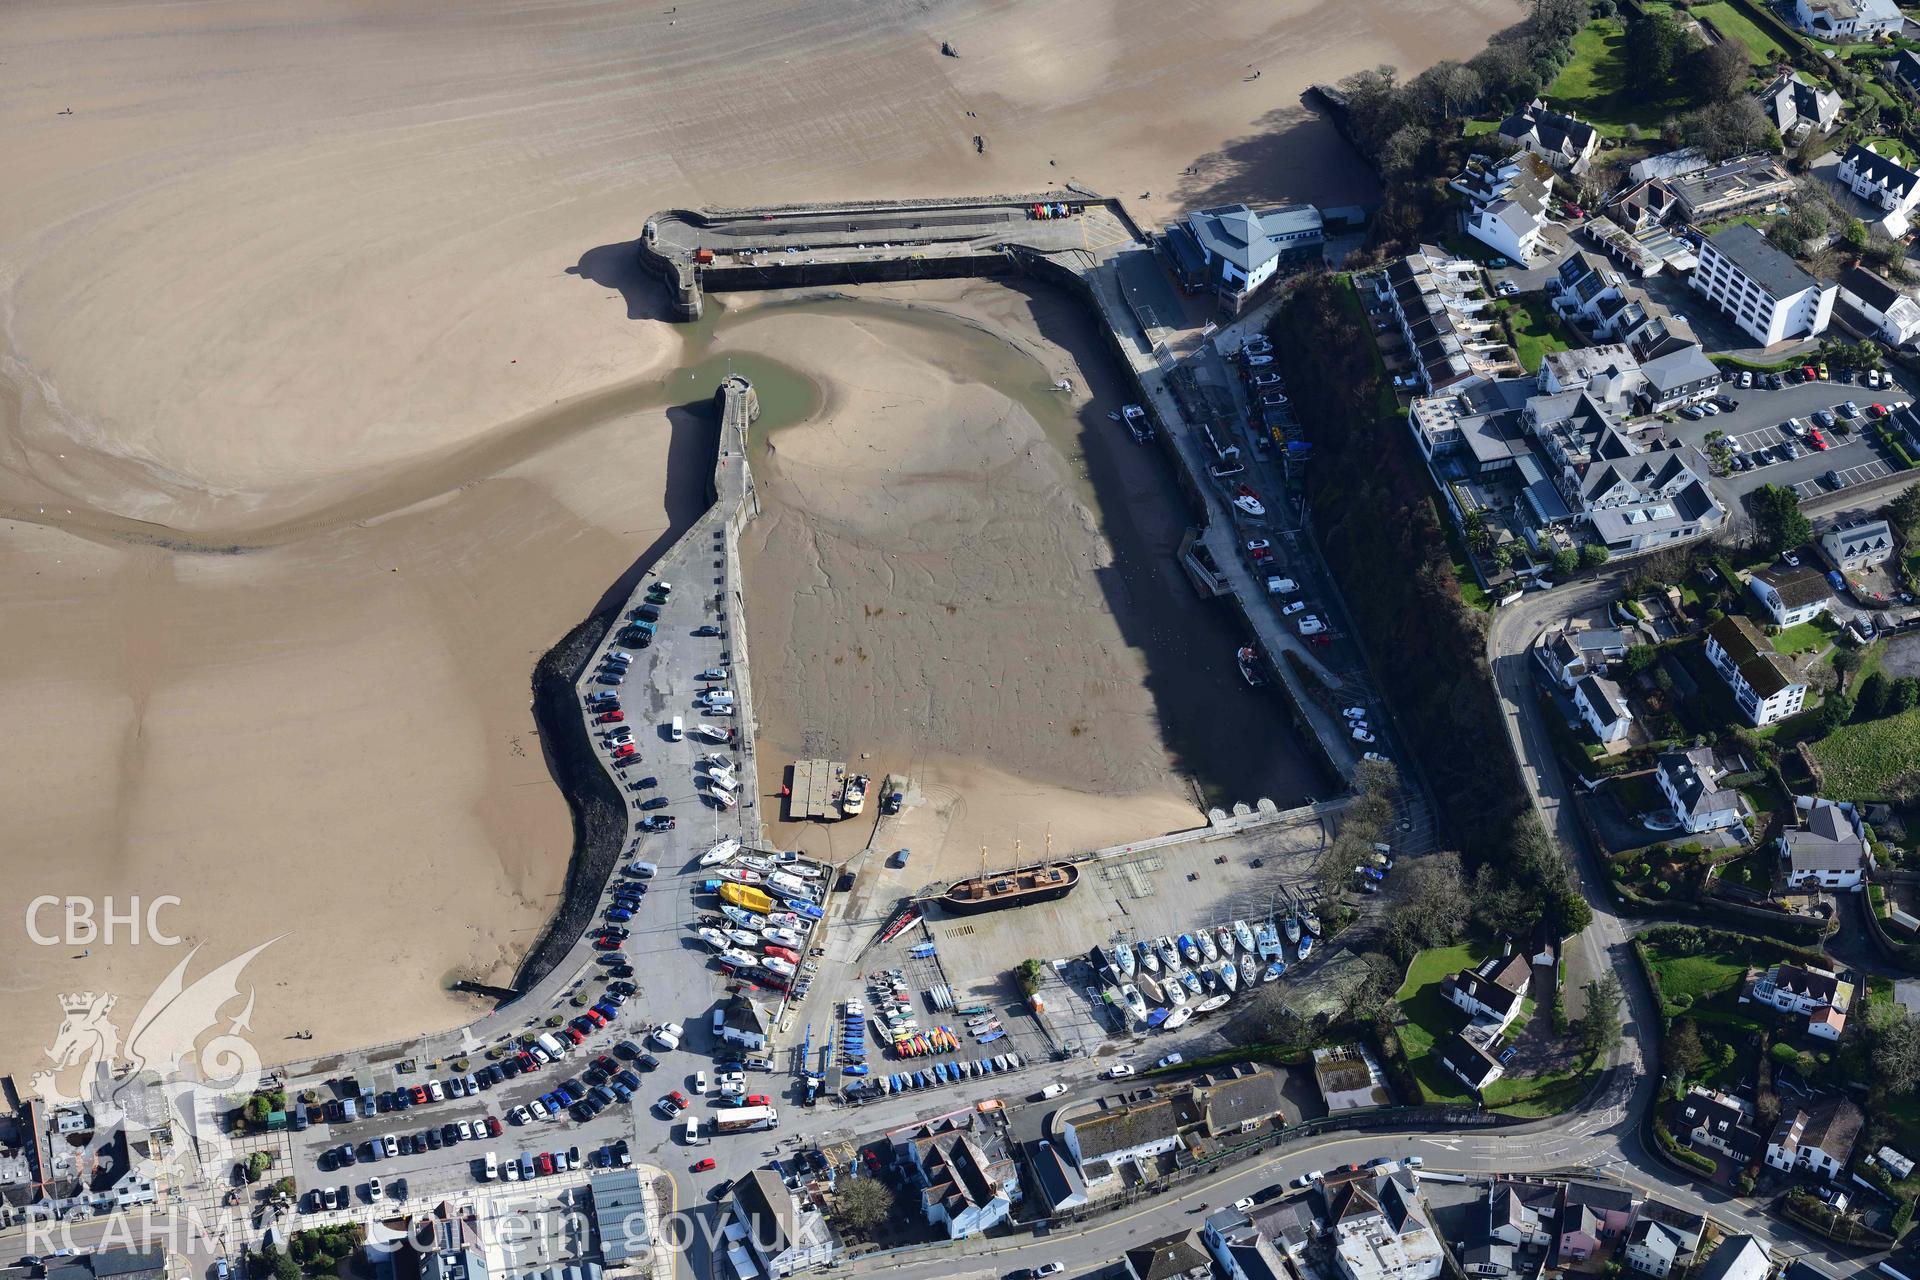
(963, 1167)
(1883, 182)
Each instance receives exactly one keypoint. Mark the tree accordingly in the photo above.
(1600, 1027)
(863, 1203)
(1655, 46)
(1718, 71)
(1895, 1047)
(1433, 906)
(1870, 701)
(1776, 512)
(1565, 561)
(1835, 711)
(1845, 661)
(1906, 694)
(1558, 21)
(1446, 91)
(1403, 150)
(1855, 234)
(1028, 975)
(1727, 128)
(1269, 1019)
(1682, 1048)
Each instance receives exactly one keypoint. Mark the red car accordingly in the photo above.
(611, 717)
(1879, 411)
(701, 1166)
(493, 1126)
(607, 944)
(543, 1162)
(674, 1103)
(1812, 374)
(528, 1062)
(606, 1063)
(598, 1018)
(420, 1094)
(625, 750)
(757, 1100)
(575, 1034)
(1815, 439)
(1323, 640)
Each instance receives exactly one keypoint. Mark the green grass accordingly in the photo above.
(1477, 128)
(1701, 977)
(1762, 49)
(1862, 761)
(1536, 1096)
(1594, 84)
(1429, 1018)
(1808, 637)
(1536, 332)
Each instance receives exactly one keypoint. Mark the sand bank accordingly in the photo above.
(306, 444)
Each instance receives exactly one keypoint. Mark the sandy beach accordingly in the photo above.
(326, 405)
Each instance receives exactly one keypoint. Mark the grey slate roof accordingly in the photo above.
(1773, 271)
(1678, 369)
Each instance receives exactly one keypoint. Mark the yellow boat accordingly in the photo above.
(746, 897)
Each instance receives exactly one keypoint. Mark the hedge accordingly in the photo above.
(1685, 1155)
(1899, 450)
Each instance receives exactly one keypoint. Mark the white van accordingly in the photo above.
(677, 730)
(693, 1135)
(493, 1166)
(1311, 625)
(551, 1043)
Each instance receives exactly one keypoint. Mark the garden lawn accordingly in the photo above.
(1594, 86)
(1807, 637)
(1701, 977)
(1534, 332)
(1762, 49)
(1862, 761)
(1429, 1018)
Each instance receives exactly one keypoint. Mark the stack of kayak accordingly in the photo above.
(920, 1044)
(853, 1040)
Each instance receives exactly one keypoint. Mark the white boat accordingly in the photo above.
(725, 799)
(743, 938)
(1292, 926)
(740, 916)
(720, 853)
(1209, 978)
(1249, 662)
(1135, 1005)
(1123, 955)
(1177, 1019)
(1248, 969)
(853, 797)
(1268, 942)
(1192, 984)
(740, 875)
(1208, 951)
(1229, 976)
(785, 920)
(1170, 956)
(775, 965)
(1224, 936)
(790, 885)
(711, 732)
(714, 938)
(785, 938)
(1306, 946)
(1138, 422)
(739, 959)
(1273, 971)
(1150, 987)
(1176, 993)
(1149, 958)
(1208, 1006)
(1243, 936)
(751, 863)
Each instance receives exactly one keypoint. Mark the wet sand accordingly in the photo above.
(329, 400)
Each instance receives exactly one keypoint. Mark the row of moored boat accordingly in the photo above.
(1166, 982)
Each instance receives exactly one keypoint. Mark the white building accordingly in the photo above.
(1821, 1138)
(1828, 850)
(1761, 289)
(1561, 140)
(1798, 107)
(772, 1233)
(1603, 707)
(1662, 1238)
(1380, 1232)
(1815, 994)
(1791, 594)
(1765, 685)
(1688, 780)
(1858, 546)
(1235, 250)
(1120, 1135)
(1879, 308)
(1882, 182)
(1507, 204)
(1847, 19)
